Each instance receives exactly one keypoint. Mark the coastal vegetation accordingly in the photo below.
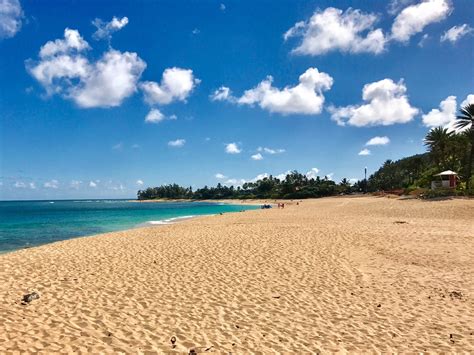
(447, 150)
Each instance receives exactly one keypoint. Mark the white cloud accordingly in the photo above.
(52, 184)
(313, 173)
(378, 140)
(139, 182)
(92, 184)
(11, 15)
(135, 146)
(105, 29)
(329, 176)
(222, 7)
(222, 94)
(305, 98)
(220, 176)
(270, 150)
(22, 185)
(177, 143)
(72, 42)
(423, 40)
(176, 85)
(237, 182)
(75, 184)
(469, 100)
(232, 148)
(196, 31)
(111, 80)
(395, 6)
(333, 29)
(257, 156)
(442, 116)
(64, 70)
(387, 104)
(413, 19)
(364, 151)
(282, 176)
(154, 116)
(456, 32)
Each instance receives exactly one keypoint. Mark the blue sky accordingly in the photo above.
(99, 99)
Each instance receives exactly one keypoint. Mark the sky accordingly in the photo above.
(101, 98)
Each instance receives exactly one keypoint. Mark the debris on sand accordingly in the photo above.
(30, 297)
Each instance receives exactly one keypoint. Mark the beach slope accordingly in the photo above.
(357, 274)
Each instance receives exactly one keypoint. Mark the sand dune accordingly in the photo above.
(356, 274)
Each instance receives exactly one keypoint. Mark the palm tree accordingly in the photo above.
(465, 121)
(437, 141)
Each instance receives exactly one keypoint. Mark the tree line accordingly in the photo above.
(294, 186)
(447, 150)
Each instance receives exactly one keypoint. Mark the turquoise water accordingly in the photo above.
(31, 223)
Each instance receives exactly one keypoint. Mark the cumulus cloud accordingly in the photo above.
(232, 148)
(11, 15)
(378, 140)
(222, 94)
(469, 100)
(364, 151)
(305, 98)
(414, 18)
(395, 6)
(176, 85)
(283, 176)
(222, 7)
(442, 116)
(154, 116)
(445, 115)
(105, 29)
(312, 173)
(63, 69)
(257, 156)
(92, 184)
(333, 29)
(112, 79)
(456, 32)
(139, 182)
(220, 176)
(72, 42)
(386, 104)
(178, 143)
(52, 184)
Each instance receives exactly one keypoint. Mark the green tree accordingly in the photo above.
(438, 142)
(465, 121)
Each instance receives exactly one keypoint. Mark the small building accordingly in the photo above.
(445, 179)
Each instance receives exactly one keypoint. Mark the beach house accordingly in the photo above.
(445, 179)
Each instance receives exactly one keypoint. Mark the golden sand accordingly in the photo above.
(356, 274)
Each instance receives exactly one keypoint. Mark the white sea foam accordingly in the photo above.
(165, 221)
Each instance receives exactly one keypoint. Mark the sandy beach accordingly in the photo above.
(356, 274)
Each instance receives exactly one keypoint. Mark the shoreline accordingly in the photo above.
(147, 224)
(334, 274)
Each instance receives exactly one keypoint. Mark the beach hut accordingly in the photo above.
(445, 179)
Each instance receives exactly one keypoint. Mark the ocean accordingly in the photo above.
(31, 223)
